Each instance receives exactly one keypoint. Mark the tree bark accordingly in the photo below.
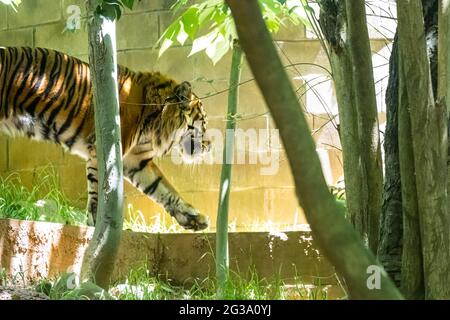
(351, 63)
(443, 51)
(391, 232)
(424, 136)
(412, 281)
(100, 256)
(338, 240)
(332, 21)
(366, 107)
(444, 72)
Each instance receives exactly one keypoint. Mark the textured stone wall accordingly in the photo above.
(37, 250)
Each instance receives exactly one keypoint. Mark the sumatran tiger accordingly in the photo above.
(47, 95)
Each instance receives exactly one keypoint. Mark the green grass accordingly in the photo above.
(140, 285)
(44, 202)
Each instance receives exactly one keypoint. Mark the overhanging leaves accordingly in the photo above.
(211, 26)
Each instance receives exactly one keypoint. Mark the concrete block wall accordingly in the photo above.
(255, 197)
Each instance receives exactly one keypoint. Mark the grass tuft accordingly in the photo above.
(44, 202)
(141, 285)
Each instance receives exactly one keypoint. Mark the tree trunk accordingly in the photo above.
(100, 256)
(366, 108)
(444, 72)
(351, 63)
(424, 135)
(222, 259)
(332, 20)
(412, 282)
(391, 233)
(338, 240)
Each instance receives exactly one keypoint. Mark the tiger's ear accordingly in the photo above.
(183, 91)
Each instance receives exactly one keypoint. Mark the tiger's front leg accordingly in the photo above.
(147, 177)
(92, 185)
(92, 181)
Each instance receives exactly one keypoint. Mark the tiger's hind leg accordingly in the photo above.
(147, 177)
(92, 185)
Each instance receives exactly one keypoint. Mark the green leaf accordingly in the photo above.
(173, 30)
(128, 3)
(13, 3)
(270, 7)
(205, 15)
(108, 11)
(219, 15)
(218, 48)
(272, 25)
(169, 36)
(203, 42)
(118, 12)
(167, 43)
(229, 30)
(182, 34)
(190, 21)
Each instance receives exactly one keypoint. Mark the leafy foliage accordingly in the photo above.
(210, 24)
(141, 285)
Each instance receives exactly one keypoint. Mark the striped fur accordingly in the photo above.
(47, 95)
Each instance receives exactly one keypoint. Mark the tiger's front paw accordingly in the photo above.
(189, 218)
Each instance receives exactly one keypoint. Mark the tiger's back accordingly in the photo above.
(47, 95)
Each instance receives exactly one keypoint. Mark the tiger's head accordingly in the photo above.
(193, 141)
(179, 120)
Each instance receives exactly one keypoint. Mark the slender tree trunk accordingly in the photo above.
(222, 258)
(366, 107)
(99, 260)
(444, 72)
(332, 20)
(428, 230)
(443, 91)
(412, 282)
(339, 241)
(351, 63)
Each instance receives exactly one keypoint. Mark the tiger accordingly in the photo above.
(48, 95)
